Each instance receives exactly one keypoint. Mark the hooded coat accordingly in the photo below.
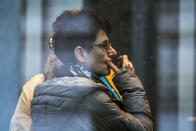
(80, 104)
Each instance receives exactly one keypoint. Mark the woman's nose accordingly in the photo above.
(111, 52)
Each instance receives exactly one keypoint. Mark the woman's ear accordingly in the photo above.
(81, 54)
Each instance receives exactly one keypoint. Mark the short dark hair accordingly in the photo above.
(73, 28)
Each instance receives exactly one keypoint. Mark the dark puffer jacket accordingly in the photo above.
(80, 104)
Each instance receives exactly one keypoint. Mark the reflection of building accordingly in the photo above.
(156, 34)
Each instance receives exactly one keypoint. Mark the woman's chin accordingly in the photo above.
(102, 70)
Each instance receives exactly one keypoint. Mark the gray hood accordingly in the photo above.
(59, 102)
(66, 87)
(66, 83)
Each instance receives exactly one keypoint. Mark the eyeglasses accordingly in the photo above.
(106, 45)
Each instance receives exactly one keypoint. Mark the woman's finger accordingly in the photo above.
(113, 67)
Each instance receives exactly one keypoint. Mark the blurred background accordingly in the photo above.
(159, 36)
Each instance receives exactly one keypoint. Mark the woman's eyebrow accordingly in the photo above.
(104, 42)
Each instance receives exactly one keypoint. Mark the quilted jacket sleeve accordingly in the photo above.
(133, 115)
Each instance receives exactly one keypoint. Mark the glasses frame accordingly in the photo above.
(105, 45)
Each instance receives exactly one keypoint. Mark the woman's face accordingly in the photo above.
(101, 52)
